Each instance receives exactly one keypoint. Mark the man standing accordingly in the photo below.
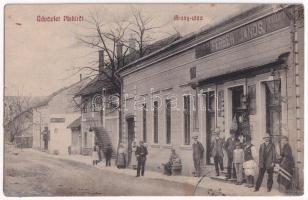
(216, 151)
(46, 137)
(198, 151)
(141, 155)
(267, 157)
(229, 146)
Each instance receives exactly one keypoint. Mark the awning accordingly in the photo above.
(76, 123)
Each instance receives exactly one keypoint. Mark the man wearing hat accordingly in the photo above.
(216, 151)
(198, 151)
(141, 155)
(267, 157)
(229, 146)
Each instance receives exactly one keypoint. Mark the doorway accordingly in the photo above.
(210, 105)
(238, 109)
(130, 137)
(273, 110)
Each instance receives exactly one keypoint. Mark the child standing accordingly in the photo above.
(238, 159)
(95, 157)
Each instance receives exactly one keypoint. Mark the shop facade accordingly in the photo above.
(245, 73)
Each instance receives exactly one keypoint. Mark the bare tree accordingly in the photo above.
(17, 116)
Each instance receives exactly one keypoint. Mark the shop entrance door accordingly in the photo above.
(210, 122)
(237, 108)
(273, 109)
(130, 137)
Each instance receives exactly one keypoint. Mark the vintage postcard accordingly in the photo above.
(153, 100)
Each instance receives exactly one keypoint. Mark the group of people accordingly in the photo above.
(98, 153)
(138, 157)
(242, 160)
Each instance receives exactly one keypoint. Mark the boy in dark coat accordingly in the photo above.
(267, 158)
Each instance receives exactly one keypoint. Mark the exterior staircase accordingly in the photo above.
(103, 139)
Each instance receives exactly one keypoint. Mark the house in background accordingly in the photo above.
(99, 116)
(76, 142)
(55, 114)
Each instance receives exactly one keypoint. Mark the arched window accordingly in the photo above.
(97, 103)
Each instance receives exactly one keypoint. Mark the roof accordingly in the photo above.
(96, 85)
(204, 34)
(73, 88)
(76, 123)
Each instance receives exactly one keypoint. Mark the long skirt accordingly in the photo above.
(250, 168)
(121, 163)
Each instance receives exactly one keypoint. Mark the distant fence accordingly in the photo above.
(23, 141)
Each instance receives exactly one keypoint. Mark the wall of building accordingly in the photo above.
(60, 135)
(170, 78)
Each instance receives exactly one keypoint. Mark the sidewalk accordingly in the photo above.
(208, 183)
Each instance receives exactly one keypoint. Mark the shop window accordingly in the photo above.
(195, 113)
(85, 139)
(155, 115)
(168, 121)
(187, 120)
(193, 72)
(273, 107)
(144, 122)
(220, 103)
(252, 99)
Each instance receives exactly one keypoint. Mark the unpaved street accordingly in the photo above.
(33, 174)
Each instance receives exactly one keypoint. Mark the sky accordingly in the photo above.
(39, 56)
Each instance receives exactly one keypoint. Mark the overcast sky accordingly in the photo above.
(38, 55)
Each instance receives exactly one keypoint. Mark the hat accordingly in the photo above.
(195, 136)
(267, 136)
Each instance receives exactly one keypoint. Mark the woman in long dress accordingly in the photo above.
(121, 163)
(286, 165)
(134, 159)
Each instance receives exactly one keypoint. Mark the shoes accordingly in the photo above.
(268, 189)
(250, 186)
(256, 190)
(137, 176)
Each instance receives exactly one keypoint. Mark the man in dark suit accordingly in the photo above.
(267, 158)
(198, 151)
(141, 155)
(217, 152)
(229, 146)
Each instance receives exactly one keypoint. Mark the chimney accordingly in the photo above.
(120, 53)
(100, 61)
(80, 75)
(132, 44)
